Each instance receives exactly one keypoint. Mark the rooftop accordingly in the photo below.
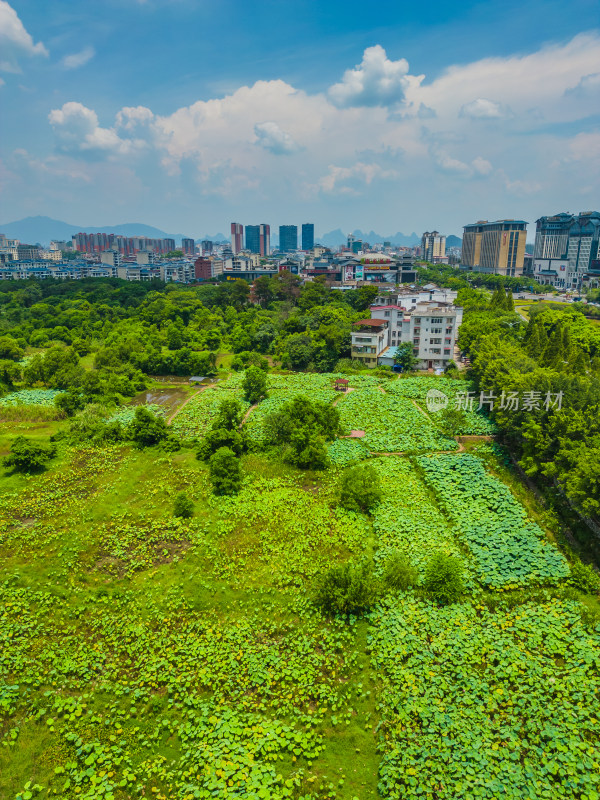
(373, 323)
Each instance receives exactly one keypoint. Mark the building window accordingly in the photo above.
(435, 350)
(437, 320)
(446, 352)
(417, 319)
(417, 330)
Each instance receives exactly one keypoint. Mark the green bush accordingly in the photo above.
(348, 589)
(399, 574)
(360, 488)
(444, 579)
(254, 385)
(28, 456)
(585, 578)
(225, 471)
(183, 506)
(146, 429)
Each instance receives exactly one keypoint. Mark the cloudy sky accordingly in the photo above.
(188, 114)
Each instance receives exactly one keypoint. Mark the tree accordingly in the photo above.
(146, 429)
(405, 358)
(262, 289)
(451, 421)
(225, 472)
(70, 402)
(444, 578)
(9, 349)
(347, 589)
(360, 488)
(225, 431)
(254, 385)
(183, 507)
(301, 428)
(174, 254)
(28, 456)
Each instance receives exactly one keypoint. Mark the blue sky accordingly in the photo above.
(390, 116)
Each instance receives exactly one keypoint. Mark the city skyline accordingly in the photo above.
(392, 132)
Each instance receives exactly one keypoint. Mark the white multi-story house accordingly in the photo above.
(431, 328)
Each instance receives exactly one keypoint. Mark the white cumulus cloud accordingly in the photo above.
(77, 130)
(76, 60)
(376, 81)
(15, 41)
(482, 109)
(270, 136)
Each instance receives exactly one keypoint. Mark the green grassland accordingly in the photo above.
(143, 655)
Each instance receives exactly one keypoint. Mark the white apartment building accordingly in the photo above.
(408, 299)
(431, 328)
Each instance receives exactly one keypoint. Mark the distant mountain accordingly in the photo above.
(453, 241)
(337, 237)
(32, 230)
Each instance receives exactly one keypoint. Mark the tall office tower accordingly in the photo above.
(433, 246)
(584, 245)
(188, 246)
(495, 247)
(207, 246)
(237, 237)
(253, 238)
(288, 238)
(265, 239)
(308, 236)
(566, 247)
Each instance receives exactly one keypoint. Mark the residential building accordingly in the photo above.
(27, 252)
(288, 238)
(432, 329)
(369, 340)
(495, 247)
(433, 247)
(203, 269)
(237, 237)
(207, 246)
(308, 236)
(111, 258)
(188, 246)
(50, 255)
(566, 247)
(143, 257)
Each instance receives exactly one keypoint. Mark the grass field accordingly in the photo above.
(146, 656)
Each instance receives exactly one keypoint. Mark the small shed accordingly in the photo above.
(341, 385)
(197, 379)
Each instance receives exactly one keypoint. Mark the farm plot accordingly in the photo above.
(282, 534)
(509, 549)
(407, 519)
(194, 420)
(391, 424)
(30, 397)
(480, 705)
(122, 698)
(476, 422)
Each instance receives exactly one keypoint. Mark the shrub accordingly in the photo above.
(585, 578)
(70, 402)
(146, 429)
(444, 579)
(225, 471)
(28, 456)
(399, 574)
(451, 421)
(183, 506)
(347, 589)
(360, 489)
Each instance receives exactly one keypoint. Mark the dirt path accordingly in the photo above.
(183, 405)
(348, 390)
(247, 414)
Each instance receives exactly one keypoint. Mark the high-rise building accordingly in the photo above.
(566, 245)
(253, 238)
(237, 237)
(495, 247)
(188, 246)
(258, 239)
(203, 269)
(207, 246)
(433, 246)
(265, 239)
(308, 236)
(288, 238)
